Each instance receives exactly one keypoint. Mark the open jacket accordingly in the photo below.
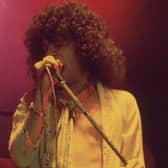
(120, 122)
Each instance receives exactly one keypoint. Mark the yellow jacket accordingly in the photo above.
(120, 121)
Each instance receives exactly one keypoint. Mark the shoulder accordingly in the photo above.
(126, 101)
(129, 103)
(27, 97)
(24, 104)
(123, 95)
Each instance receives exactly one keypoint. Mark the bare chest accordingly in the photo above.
(86, 144)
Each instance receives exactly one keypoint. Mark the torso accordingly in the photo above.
(86, 144)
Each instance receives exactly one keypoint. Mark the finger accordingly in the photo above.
(49, 58)
(58, 66)
(39, 66)
(54, 62)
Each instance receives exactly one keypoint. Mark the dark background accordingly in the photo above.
(140, 29)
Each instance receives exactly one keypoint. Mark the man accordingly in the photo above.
(51, 131)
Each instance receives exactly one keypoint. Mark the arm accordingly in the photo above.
(26, 133)
(28, 122)
(132, 145)
(28, 125)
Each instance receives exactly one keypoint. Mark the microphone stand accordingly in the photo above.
(94, 124)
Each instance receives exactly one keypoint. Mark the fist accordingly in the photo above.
(49, 61)
(43, 79)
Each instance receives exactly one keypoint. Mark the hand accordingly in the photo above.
(42, 76)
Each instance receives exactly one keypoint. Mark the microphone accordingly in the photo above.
(49, 68)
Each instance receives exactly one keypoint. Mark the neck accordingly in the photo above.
(76, 89)
(79, 87)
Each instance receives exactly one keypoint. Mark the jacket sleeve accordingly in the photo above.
(22, 151)
(132, 143)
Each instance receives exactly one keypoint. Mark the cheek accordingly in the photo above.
(71, 67)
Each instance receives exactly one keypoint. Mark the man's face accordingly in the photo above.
(72, 72)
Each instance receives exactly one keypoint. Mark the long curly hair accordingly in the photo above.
(97, 52)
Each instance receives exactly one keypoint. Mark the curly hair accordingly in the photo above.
(96, 51)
